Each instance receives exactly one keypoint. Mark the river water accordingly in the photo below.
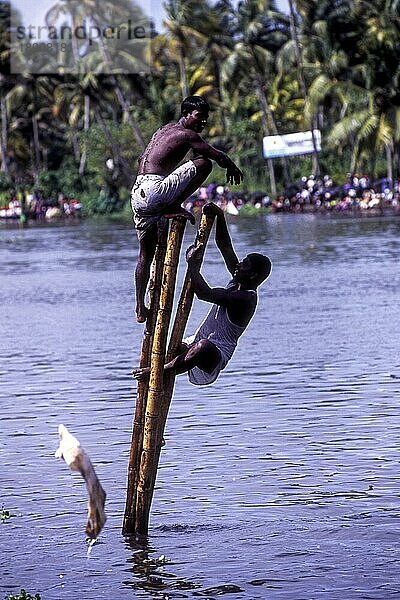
(279, 481)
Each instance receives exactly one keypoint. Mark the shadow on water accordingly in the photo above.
(152, 573)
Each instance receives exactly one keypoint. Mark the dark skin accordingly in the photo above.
(238, 300)
(166, 149)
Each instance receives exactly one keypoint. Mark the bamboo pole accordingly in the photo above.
(181, 319)
(152, 436)
(187, 294)
(142, 389)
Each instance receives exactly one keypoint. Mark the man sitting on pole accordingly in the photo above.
(205, 354)
(161, 185)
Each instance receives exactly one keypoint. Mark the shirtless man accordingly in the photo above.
(161, 186)
(208, 351)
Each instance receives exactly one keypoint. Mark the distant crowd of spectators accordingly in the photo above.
(359, 193)
(230, 202)
(34, 206)
(311, 194)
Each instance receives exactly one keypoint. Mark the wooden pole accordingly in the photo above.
(181, 319)
(152, 436)
(187, 294)
(142, 389)
(182, 315)
(154, 397)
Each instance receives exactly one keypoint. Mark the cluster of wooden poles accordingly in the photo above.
(154, 395)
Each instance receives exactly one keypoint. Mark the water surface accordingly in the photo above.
(279, 481)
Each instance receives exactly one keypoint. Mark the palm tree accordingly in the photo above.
(300, 71)
(103, 14)
(74, 102)
(182, 41)
(31, 97)
(4, 127)
(350, 54)
(5, 16)
(373, 132)
(252, 60)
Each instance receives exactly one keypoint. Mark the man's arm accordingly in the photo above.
(200, 146)
(201, 288)
(239, 305)
(221, 296)
(222, 237)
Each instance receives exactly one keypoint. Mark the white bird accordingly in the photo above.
(78, 460)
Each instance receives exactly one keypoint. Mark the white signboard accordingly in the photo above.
(291, 144)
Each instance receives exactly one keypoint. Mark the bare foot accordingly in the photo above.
(141, 314)
(182, 213)
(141, 374)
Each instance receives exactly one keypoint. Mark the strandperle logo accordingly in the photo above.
(32, 34)
(80, 37)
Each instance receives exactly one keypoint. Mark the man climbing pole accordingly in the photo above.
(161, 186)
(205, 354)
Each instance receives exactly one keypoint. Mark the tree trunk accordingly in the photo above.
(183, 74)
(395, 162)
(118, 158)
(75, 145)
(389, 165)
(86, 125)
(264, 120)
(300, 68)
(4, 137)
(45, 154)
(36, 146)
(74, 40)
(268, 114)
(125, 107)
(120, 96)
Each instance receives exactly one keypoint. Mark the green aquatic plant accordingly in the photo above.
(248, 210)
(156, 562)
(23, 595)
(5, 515)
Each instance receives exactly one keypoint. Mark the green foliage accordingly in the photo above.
(48, 183)
(249, 210)
(23, 595)
(242, 57)
(105, 202)
(66, 180)
(6, 183)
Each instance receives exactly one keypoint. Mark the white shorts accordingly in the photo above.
(153, 194)
(197, 376)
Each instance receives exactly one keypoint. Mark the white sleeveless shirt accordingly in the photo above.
(219, 329)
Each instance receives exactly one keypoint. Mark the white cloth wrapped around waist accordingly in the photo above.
(152, 195)
(218, 329)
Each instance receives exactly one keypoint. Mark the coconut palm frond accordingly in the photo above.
(347, 127)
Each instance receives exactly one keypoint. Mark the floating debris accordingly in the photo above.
(78, 460)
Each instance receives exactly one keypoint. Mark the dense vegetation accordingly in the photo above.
(331, 64)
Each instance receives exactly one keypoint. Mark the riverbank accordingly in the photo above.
(246, 212)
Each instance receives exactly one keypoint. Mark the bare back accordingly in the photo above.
(166, 149)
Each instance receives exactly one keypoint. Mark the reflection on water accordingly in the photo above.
(280, 481)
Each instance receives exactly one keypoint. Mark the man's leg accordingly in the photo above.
(203, 354)
(203, 169)
(147, 248)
